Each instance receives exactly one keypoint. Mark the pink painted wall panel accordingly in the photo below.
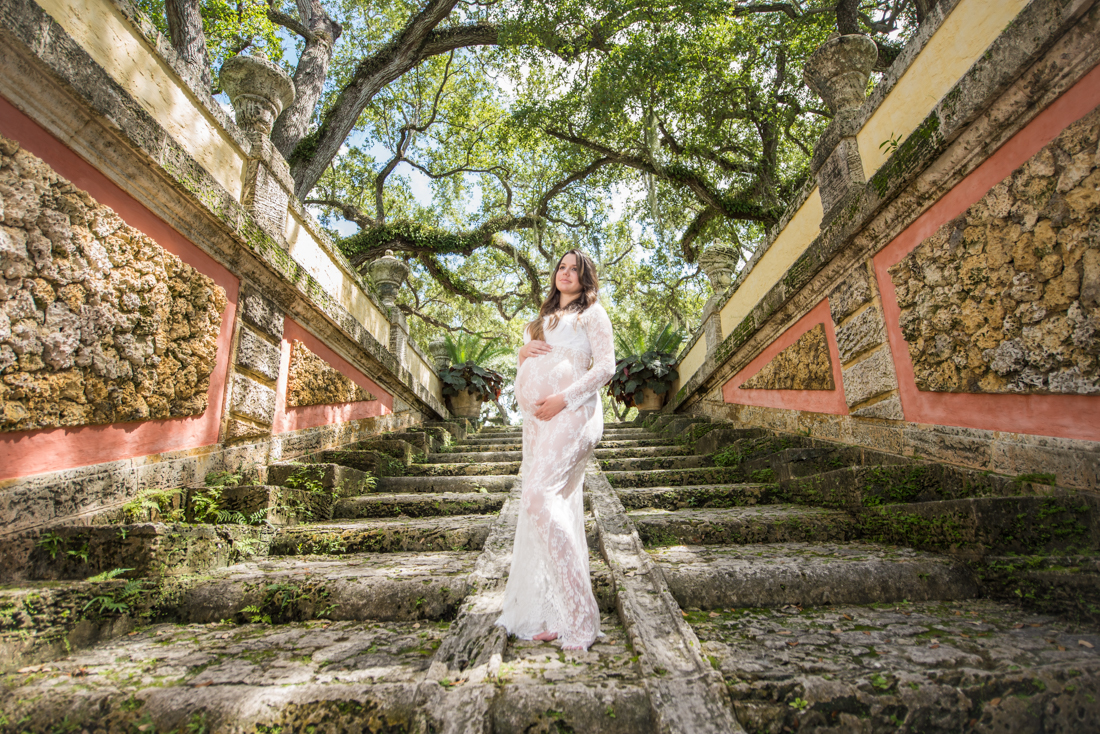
(34, 452)
(293, 419)
(814, 401)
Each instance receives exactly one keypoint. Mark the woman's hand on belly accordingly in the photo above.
(548, 407)
(534, 348)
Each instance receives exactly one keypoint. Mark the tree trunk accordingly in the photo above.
(188, 38)
(309, 76)
(847, 17)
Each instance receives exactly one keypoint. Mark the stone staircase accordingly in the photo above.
(748, 581)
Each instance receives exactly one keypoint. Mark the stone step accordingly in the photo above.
(343, 480)
(699, 495)
(383, 535)
(490, 483)
(809, 574)
(465, 448)
(427, 504)
(674, 477)
(495, 441)
(640, 452)
(801, 462)
(371, 462)
(385, 587)
(397, 448)
(743, 525)
(634, 443)
(648, 463)
(485, 456)
(979, 526)
(1057, 583)
(339, 676)
(463, 469)
(936, 667)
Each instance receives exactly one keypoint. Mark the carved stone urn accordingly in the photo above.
(838, 71)
(258, 90)
(388, 273)
(466, 404)
(718, 262)
(438, 349)
(651, 401)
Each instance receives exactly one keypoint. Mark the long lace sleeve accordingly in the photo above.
(598, 328)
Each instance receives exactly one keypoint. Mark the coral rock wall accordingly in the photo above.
(98, 323)
(1006, 298)
(314, 382)
(804, 365)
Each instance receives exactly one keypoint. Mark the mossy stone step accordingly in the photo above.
(397, 448)
(485, 456)
(371, 462)
(1067, 585)
(465, 448)
(801, 462)
(499, 440)
(634, 443)
(929, 667)
(463, 469)
(743, 525)
(974, 527)
(809, 574)
(700, 495)
(149, 549)
(385, 587)
(388, 535)
(640, 452)
(674, 477)
(419, 505)
(345, 481)
(652, 463)
(490, 483)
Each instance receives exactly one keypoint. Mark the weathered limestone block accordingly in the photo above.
(253, 400)
(261, 312)
(253, 353)
(237, 429)
(804, 365)
(853, 292)
(314, 382)
(888, 409)
(869, 378)
(98, 323)
(1004, 298)
(863, 332)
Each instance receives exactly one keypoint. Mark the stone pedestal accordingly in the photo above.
(838, 73)
(717, 262)
(388, 273)
(438, 349)
(259, 91)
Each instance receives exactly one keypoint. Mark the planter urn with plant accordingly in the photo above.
(644, 377)
(467, 381)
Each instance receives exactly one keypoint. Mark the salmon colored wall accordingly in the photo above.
(1066, 416)
(815, 401)
(293, 419)
(50, 449)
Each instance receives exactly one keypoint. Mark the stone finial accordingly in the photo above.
(388, 273)
(259, 91)
(838, 71)
(438, 349)
(718, 262)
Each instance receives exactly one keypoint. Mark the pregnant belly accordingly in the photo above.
(541, 377)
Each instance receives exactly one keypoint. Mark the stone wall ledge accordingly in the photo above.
(46, 74)
(1050, 45)
(98, 490)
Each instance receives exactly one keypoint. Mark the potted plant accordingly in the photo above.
(643, 378)
(468, 383)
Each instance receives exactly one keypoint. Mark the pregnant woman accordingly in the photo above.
(567, 356)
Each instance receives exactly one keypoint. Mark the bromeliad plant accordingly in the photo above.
(651, 363)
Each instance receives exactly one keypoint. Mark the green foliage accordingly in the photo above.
(471, 348)
(117, 601)
(312, 499)
(52, 543)
(653, 370)
(153, 504)
(662, 340)
(486, 384)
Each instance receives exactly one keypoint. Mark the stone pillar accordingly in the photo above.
(838, 72)
(717, 262)
(250, 409)
(259, 91)
(438, 349)
(388, 273)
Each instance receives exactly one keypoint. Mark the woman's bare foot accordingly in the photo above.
(545, 636)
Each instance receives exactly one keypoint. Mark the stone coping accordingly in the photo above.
(1034, 31)
(31, 35)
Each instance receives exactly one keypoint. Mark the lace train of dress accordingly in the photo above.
(549, 587)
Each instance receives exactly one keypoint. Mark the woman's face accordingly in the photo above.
(568, 278)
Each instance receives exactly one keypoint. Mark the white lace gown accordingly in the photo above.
(549, 588)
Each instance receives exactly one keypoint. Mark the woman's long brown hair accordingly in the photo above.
(590, 292)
